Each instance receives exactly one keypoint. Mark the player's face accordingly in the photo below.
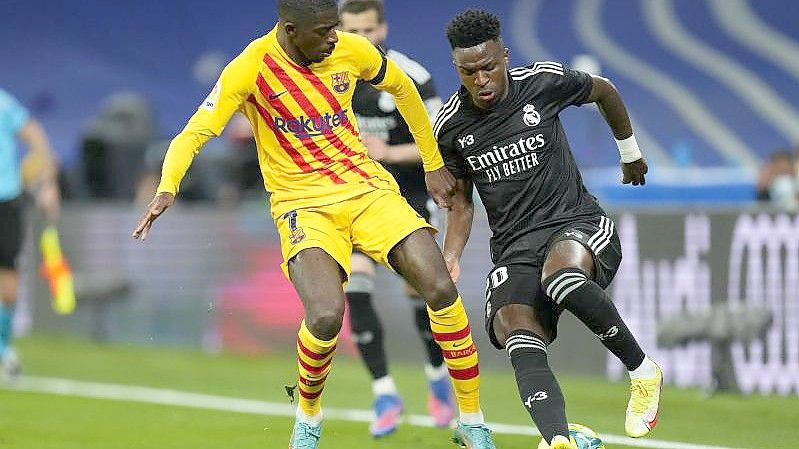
(483, 70)
(367, 24)
(315, 38)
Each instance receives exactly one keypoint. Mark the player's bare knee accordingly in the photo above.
(441, 294)
(325, 325)
(567, 254)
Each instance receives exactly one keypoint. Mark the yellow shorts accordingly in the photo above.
(372, 223)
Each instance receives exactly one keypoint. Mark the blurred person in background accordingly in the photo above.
(777, 182)
(225, 171)
(552, 245)
(295, 85)
(389, 141)
(37, 172)
(113, 147)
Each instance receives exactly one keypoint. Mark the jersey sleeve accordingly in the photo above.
(432, 102)
(453, 159)
(385, 74)
(371, 60)
(226, 97)
(12, 114)
(564, 87)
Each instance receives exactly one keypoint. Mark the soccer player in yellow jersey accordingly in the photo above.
(295, 86)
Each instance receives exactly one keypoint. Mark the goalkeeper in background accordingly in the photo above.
(38, 169)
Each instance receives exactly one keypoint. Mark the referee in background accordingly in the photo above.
(38, 170)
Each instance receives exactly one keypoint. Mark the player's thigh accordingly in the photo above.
(515, 300)
(427, 209)
(418, 259)
(591, 245)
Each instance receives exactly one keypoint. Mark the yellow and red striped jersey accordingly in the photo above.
(308, 142)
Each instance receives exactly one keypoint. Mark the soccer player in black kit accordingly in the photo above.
(389, 141)
(553, 247)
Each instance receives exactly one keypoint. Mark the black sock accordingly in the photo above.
(584, 298)
(538, 388)
(434, 355)
(367, 332)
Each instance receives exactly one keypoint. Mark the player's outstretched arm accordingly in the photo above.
(207, 122)
(178, 158)
(607, 98)
(459, 226)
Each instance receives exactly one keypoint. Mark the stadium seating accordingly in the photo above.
(66, 68)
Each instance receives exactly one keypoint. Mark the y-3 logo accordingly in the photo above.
(610, 333)
(466, 141)
(537, 396)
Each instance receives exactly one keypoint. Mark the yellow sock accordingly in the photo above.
(314, 357)
(451, 331)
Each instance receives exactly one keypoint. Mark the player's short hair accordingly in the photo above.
(360, 6)
(473, 27)
(294, 10)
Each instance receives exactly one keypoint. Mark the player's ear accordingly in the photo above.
(291, 28)
(506, 55)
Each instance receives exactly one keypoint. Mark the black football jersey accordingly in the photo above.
(378, 116)
(517, 154)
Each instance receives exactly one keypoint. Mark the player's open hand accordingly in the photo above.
(453, 266)
(154, 210)
(441, 186)
(633, 172)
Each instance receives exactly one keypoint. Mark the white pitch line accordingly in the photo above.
(163, 396)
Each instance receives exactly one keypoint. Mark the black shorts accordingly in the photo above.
(518, 281)
(10, 232)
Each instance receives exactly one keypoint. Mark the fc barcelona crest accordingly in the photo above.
(341, 82)
(297, 234)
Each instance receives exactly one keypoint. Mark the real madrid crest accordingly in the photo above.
(531, 117)
(341, 82)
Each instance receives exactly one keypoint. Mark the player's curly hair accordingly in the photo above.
(473, 27)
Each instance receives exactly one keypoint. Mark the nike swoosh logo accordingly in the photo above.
(274, 96)
(458, 345)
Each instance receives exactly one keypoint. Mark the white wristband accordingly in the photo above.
(628, 149)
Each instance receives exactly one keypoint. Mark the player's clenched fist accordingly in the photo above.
(440, 185)
(633, 172)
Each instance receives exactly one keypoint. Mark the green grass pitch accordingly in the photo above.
(30, 420)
